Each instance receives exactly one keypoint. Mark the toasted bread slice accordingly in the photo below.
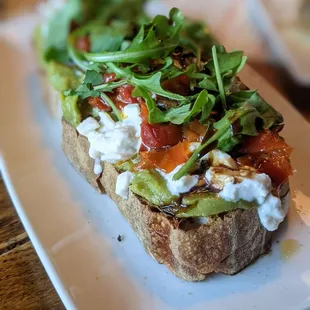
(190, 249)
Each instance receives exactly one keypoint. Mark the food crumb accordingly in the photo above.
(119, 238)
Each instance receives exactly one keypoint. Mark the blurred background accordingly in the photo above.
(275, 35)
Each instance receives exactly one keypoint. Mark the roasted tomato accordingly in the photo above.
(268, 153)
(158, 136)
(98, 103)
(194, 131)
(178, 85)
(266, 142)
(109, 77)
(144, 112)
(83, 44)
(124, 94)
(165, 159)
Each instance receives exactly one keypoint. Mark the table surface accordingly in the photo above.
(23, 281)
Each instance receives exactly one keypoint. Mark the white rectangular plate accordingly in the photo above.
(75, 230)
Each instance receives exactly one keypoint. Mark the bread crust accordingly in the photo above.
(225, 244)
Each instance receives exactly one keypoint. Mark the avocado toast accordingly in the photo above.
(155, 116)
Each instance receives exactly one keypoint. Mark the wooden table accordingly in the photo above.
(23, 280)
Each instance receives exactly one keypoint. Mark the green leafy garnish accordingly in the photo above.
(177, 115)
(229, 64)
(151, 83)
(224, 137)
(82, 12)
(219, 77)
(57, 30)
(112, 105)
(151, 55)
(93, 86)
(269, 115)
(155, 40)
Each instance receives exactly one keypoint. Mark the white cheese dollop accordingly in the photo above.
(219, 158)
(113, 141)
(97, 166)
(87, 126)
(122, 184)
(255, 188)
(182, 185)
(272, 212)
(252, 187)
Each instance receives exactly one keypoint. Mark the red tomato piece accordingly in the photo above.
(144, 112)
(109, 77)
(83, 44)
(178, 85)
(165, 159)
(124, 94)
(98, 103)
(158, 136)
(268, 153)
(194, 131)
(278, 168)
(266, 142)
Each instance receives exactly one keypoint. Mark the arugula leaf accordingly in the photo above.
(207, 108)
(77, 57)
(219, 80)
(60, 56)
(155, 115)
(93, 77)
(92, 86)
(269, 115)
(229, 63)
(112, 105)
(108, 38)
(178, 115)
(223, 135)
(209, 83)
(58, 27)
(201, 101)
(196, 34)
(151, 83)
(105, 42)
(85, 90)
(109, 86)
(154, 41)
(233, 135)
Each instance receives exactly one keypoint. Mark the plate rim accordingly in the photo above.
(41, 251)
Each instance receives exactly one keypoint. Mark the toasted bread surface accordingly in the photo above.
(225, 244)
